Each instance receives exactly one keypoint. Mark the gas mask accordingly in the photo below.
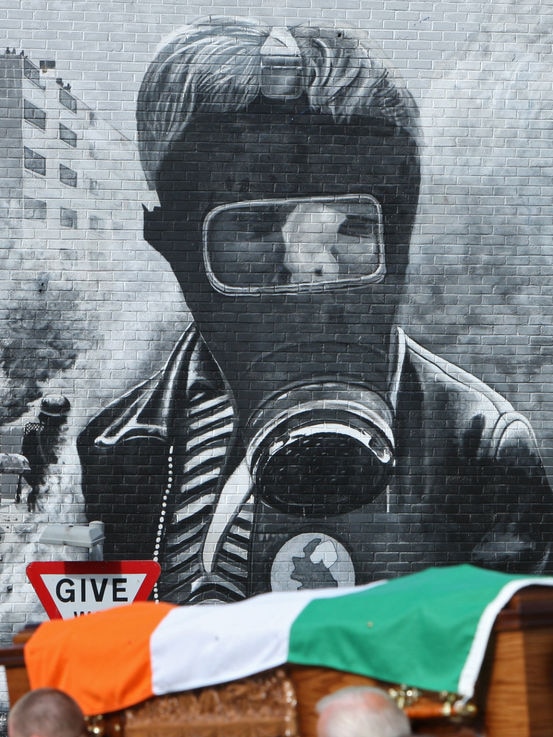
(289, 238)
(291, 251)
(317, 434)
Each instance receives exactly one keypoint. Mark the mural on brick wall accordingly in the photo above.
(298, 437)
(296, 335)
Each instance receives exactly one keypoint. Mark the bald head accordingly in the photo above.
(46, 712)
(361, 712)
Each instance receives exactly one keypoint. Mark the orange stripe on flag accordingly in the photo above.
(102, 659)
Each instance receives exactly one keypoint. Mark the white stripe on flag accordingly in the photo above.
(473, 663)
(203, 645)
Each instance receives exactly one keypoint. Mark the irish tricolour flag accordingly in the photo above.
(428, 629)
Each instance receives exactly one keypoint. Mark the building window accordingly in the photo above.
(68, 217)
(95, 222)
(68, 176)
(34, 115)
(67, 135)
(34, 162)
(34, 209)
(32, 72)
(68, 101)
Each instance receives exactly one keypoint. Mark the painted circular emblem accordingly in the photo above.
(311, 560)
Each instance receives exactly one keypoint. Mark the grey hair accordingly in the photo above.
(214, 65)
(361, 711)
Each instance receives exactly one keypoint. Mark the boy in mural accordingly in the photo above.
(296, 435)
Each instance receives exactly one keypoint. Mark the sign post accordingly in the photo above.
(69, 589)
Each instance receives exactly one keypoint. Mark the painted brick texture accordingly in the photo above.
(295, 291)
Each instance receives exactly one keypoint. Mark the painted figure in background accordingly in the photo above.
(297, 437)
(40, 443)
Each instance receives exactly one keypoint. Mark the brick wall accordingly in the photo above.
(449, 457)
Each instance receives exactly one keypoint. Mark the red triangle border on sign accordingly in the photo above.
(37, 569)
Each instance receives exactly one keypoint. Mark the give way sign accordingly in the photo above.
(68, 589)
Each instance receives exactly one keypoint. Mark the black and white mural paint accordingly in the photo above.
(296, 429)
(320, 354)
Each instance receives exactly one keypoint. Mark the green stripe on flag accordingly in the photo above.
(416, 630)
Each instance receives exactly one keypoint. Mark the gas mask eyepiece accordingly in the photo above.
(294, 244)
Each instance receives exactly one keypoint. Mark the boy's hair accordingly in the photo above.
(217, 65)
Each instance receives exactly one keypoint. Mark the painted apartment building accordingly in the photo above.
(65, 171)
(71, 194)
(70, 185)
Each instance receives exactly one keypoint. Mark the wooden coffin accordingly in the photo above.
(514, 696)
